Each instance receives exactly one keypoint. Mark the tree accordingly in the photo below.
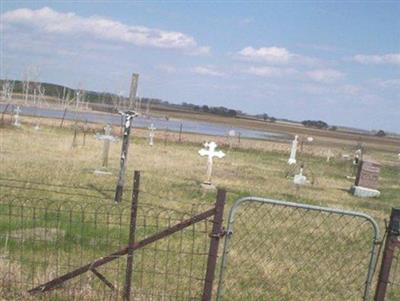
(380, 133)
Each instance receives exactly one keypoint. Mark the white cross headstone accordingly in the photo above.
(300, 179)
(292, 159)
(107, 138)
(329, 155)
(210, 152)
(16, 116)
(151, 134)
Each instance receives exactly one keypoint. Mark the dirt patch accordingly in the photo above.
(37, 234)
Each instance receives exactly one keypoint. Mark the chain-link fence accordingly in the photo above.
(277, 250)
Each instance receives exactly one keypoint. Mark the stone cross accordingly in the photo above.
(107, 138)
(16, 116)
(210, 152)
(292, 159)
(151, 134)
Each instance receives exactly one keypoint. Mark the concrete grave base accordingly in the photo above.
(102, 172)
(364, 192)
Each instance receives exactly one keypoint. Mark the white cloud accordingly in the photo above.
(166, 68)
(267, 54)
(390, 59)
(268, 71)
(325, 75)
(207, 70)
(49, 21)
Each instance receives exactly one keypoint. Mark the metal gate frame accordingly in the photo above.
(231, 220)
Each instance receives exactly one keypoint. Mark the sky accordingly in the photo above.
(335, 61)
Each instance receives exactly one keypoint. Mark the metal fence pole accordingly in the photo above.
(132, 229)
(392, 242)
(217, 233)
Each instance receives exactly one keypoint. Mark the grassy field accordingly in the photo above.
(42, 165)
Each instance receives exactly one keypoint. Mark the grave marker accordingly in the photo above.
(107, 138)
(292, 159)
(210, 152)
(151, 134)
(128, 121)
(367, 179)
(16, 116)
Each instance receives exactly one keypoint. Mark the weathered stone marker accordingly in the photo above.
(16, 116)
(128, 120)
(292, 159)
(367, 180)
(210, 152)
(151, 134)
(107, 138)
(300, 179)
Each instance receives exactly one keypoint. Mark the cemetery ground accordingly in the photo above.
(42, 165)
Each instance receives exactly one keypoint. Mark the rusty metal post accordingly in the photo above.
(217, 233)
(392, 242)
(132, 229)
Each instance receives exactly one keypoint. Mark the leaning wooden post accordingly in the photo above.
(217, 233)
(129, 115)
(132, 229)
(62, 119)
(392, 242)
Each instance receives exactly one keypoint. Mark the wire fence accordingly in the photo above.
(42, 239)
(273, 250)
(285, 251)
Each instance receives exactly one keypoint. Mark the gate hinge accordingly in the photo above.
(220, 234)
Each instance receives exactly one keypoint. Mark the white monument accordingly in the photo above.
(107, 138)
(292, 159)
(210, 152)
(151, 134)
(329, 155)
(300, 179)
(16, 116)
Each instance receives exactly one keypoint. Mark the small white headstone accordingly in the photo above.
(329, 155)
(292, 159)
(300, 179)
(16, 116)
(210, 152)
(310, 139)
(151, 135)
(107, 138)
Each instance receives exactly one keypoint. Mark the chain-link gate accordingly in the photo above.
(278, 250)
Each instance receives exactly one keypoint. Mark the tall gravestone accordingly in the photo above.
(367, 180)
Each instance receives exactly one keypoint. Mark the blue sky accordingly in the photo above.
(334, 61)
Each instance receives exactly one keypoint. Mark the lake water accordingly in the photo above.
(190, 126)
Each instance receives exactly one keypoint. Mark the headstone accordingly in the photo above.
(367, 180)
(231, 135)
(329, 155)
(300, 179)
(310, 139)
(151, 134)
(107, 138)
(16, 116)
(292, 159)
(210, 152)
